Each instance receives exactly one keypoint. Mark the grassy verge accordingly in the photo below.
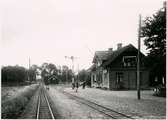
(12, 108)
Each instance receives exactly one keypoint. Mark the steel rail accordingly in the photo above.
(106, 111)
(51, 112)
(39, 104)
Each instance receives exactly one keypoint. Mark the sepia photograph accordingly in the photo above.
(83, 59)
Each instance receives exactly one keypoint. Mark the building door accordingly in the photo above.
(119, 80)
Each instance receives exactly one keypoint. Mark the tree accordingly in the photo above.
(66, 74)
(13, 74)
(61, 74)
(32, 72)
(84, 76)
(154, 34)
(52, 69)
(47, 71)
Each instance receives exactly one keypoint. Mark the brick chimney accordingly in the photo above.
(119, 45)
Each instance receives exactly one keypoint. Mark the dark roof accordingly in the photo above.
(109, 56)
(102, 55)
(116, 53)
(92, 67)
(53, 76)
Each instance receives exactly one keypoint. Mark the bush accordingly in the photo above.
(12, 108)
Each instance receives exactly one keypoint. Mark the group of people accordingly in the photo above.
(76, 85)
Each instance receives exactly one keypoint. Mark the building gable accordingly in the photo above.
(117, 55)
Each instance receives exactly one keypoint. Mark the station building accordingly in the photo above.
(117, 69)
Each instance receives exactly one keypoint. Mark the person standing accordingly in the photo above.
(73, 83)
(77, 86)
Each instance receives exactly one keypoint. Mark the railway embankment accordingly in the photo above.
(12, 108)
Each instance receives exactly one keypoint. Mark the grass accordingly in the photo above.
(12, 108)
(9, 92)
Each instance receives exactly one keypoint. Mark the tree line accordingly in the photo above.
(17, 75)
(49, 73)
(13, 74)
(62, 74)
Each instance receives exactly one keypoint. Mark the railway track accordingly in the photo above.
(44, 110)
(109, 113)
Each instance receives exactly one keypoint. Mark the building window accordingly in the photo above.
(129, 61)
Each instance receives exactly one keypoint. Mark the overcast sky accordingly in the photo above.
(48, 30)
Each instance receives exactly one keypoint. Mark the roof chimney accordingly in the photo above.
(119, 45)
(110, 49)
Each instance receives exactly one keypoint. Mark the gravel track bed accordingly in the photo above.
(31, 109)
(71, 109)
(55, 111)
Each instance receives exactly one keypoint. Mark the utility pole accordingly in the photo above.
(67, 75)
(138, 60)
(78, 73)
(72, 59)
(29, 64)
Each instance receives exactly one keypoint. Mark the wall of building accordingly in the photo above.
(105, 79)
(129, 80)
(112, 80)
(93, 79)
(145, 79)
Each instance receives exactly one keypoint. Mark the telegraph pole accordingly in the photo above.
(138, 60)
(78, 73)
(28, 69)
(29, 63)
(66, 75)
(72, 59)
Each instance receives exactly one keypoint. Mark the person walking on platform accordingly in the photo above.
(77, 86)
(73, 83)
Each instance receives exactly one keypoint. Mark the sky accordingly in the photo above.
(48, 30)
